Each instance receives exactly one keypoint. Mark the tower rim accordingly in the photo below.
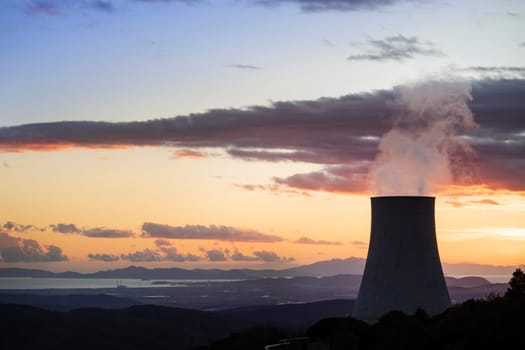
(402, 196)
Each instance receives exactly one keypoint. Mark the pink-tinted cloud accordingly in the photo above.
(188, 153)
(486, 201)
(461, 204)
(306, 240)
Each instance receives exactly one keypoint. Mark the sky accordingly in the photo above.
(252, 133)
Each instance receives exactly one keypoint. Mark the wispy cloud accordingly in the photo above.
(273, 188)
(46, 7)
(62, 7)
(15, 250)
(306, 240)
(330, 5)
(102, 5)
(103, 257)
(498, 72)
(476, 203)
(97, 232)
(244, 66)
(359, 244)
(220, 233)
(396, 48)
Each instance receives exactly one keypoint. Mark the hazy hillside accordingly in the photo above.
(332, 267)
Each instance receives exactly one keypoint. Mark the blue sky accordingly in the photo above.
(136, 60)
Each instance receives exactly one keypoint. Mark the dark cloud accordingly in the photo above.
(103, 257)
(220, 233)
(498, 72)
(269, 256)
(146, 255)
(65, 228)
(339, 134)
(162, 243)
(12, 226)
(238, 256)
(261, 255)
(306, 240)
(172, 254)
(396, 48)
(97, 232)
(163, 253)
(244, 66)
(216, 255)
(101, 232)
(14, 250)
(330, 5)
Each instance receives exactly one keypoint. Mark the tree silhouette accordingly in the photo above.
(517, 285)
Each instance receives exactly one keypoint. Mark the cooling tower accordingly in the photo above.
(403, 271)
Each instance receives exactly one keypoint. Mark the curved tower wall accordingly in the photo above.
(403, 270)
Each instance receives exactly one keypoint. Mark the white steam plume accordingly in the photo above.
(421, 152)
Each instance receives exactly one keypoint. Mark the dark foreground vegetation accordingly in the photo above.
(495, 322)
(491, 323)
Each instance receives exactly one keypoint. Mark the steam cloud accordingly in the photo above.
(422, 152)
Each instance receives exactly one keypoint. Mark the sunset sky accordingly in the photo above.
(252, 133)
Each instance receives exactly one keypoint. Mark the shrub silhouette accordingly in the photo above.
(517, 285)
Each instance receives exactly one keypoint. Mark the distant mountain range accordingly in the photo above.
(332, 267)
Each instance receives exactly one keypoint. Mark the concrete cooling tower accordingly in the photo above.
(403, 271)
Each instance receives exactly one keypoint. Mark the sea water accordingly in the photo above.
(12, 283)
